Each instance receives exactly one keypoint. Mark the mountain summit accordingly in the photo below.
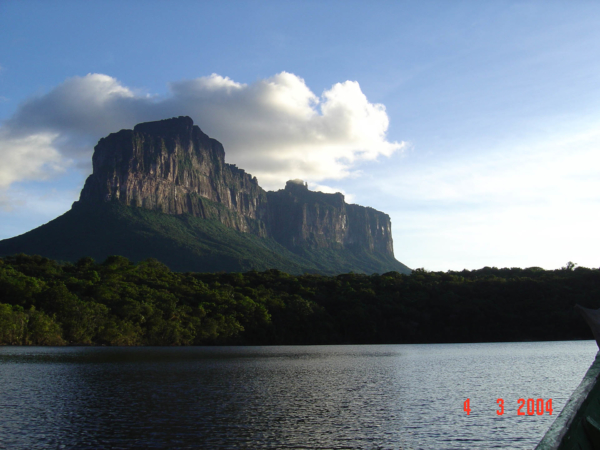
(163, 190)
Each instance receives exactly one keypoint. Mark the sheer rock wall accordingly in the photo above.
(173, 167)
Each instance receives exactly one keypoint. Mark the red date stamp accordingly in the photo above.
(528, 407)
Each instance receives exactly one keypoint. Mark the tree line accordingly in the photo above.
(117, 302)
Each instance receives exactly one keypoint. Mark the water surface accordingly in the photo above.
(355, 397)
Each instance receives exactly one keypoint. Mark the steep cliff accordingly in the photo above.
(300, 218)
(164, 190)
(173, 167)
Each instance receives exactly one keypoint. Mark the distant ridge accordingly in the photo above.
(163, 190)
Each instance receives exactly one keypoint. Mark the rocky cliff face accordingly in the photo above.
(300, 217)
(173, 167)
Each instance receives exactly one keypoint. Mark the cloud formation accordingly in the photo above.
(29, 157)
(276, 128)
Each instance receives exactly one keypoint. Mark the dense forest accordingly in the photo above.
(117, 302)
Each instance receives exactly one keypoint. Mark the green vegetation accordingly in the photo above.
(117, 302)
(184, 243)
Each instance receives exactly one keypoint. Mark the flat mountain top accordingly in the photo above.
(164, 191)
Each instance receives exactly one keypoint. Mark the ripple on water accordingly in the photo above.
(374, 396)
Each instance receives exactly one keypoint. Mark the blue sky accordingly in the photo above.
(474, 125)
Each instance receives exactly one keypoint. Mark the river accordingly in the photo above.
(300, 397)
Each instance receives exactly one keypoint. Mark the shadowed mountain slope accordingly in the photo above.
(163, 190)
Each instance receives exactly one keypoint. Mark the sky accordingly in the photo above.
(474, 125)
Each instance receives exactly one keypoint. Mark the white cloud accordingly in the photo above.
(276, 129)
(31, 157)
(89, 106)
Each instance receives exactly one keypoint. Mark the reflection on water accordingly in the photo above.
(372, 396)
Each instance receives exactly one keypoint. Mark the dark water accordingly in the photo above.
(364, 397)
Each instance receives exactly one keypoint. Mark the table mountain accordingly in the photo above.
(164, 190)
